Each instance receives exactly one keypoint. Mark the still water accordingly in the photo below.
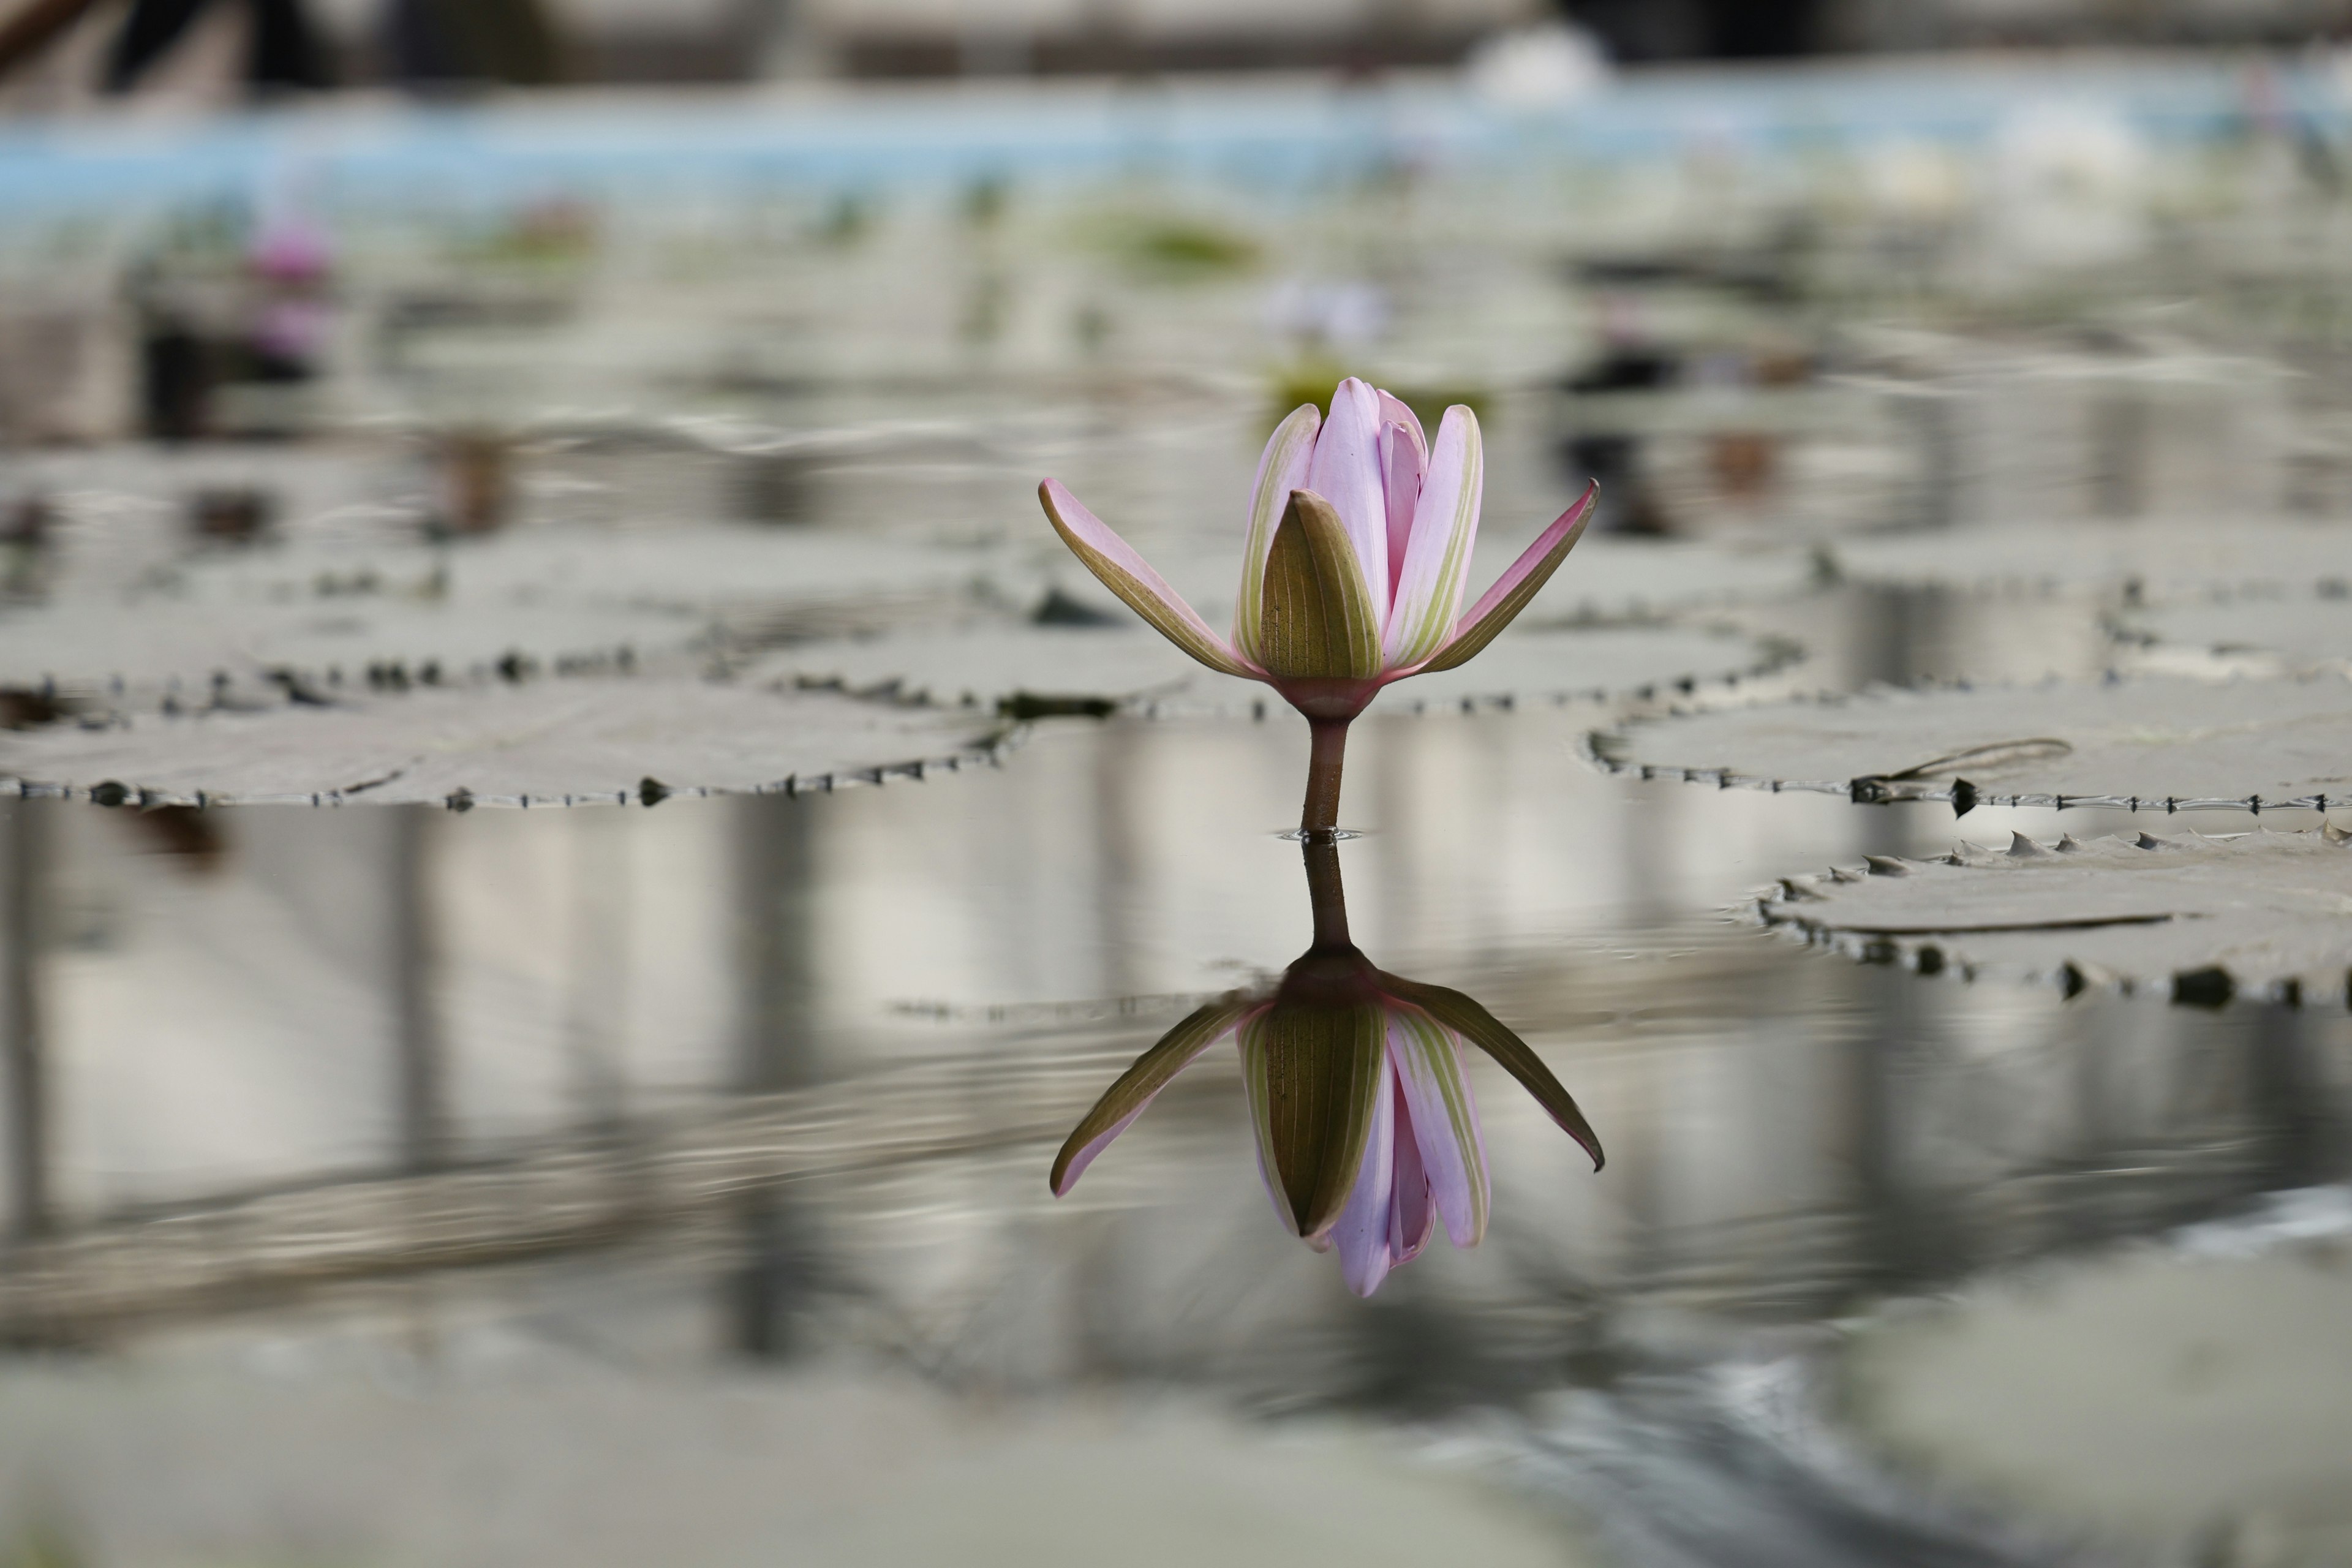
(726, 1086)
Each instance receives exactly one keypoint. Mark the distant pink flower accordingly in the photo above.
(289, 250)
(1367, 1130)
(1353, 568)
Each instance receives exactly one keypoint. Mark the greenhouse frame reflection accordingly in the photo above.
(1366, 1129)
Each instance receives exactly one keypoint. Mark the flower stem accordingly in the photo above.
(1320, 816)
(1325, 894)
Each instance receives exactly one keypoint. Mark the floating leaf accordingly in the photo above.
(2256, 634)
(2162, 557)
(549, 743)
(2144, 744)
(759, 581)
(2252, 913)
(1051, 668)
(1562, 663)
(131, 658)
(1047, 668)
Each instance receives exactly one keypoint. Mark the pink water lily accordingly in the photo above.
(1367, 1130)
(1353, 568)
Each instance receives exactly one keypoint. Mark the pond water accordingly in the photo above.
(695, 1092)
(391, 1184)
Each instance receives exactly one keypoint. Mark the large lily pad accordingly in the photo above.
(2145, 745)
(550, 742)
(134, 657)
(2160, 557)
(1043, 667)
(2293, 634)
(759, 580)
(2253, 912)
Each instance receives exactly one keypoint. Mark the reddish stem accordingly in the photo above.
(1325, 895)
(1320, 816)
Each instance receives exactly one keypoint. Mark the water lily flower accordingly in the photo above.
(1366, 1129)
(1353, 566)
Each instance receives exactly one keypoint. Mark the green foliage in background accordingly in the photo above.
(1310, 380)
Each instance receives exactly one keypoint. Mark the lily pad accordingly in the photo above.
(2295, 634)
(2159, 1403)
(2267, 913)
(2146, 744)
(549, 743)
(1047, 668)
(1564, 663)
(759, 582)
(134, 657)
(2156, 558)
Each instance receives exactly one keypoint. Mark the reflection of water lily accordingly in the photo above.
(1366, 1129)
(1353, 568)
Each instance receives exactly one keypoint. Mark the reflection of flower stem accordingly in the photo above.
(1328, 899)
(1321, 815)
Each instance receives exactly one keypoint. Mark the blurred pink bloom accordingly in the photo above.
(291, 250)
(1355, 560)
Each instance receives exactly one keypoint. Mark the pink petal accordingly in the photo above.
(1281, 468)
(1436, 561)
(1361, 1231)
(1130, 576)
(1436, 1092)
(1401, 464)
(1347, 473)
(1394, 412)
(1516, 588)
(1412, 1217)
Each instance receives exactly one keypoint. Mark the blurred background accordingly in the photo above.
(391, 1186)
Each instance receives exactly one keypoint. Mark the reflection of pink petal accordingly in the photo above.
(1361, 1231)
(1102, 1140)
(1151, 1072)
(1427, 1060)
(1347, 473)
(1412, 1215)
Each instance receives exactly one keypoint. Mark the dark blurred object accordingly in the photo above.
(231, 514)
(179, 371)
(774, 487)
(284, 53)
(1613, 457)
(35, 27)
(190, 836)
(474, 482)
(1635, 31)
(25, 523)
(24, 709)
(455, 43)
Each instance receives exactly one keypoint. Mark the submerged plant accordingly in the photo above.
(1366, 1129)
(1352, 569)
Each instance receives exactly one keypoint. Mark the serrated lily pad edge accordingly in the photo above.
(989, 751)
(1598, 749)
(1774, 654)
(1779, 909)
